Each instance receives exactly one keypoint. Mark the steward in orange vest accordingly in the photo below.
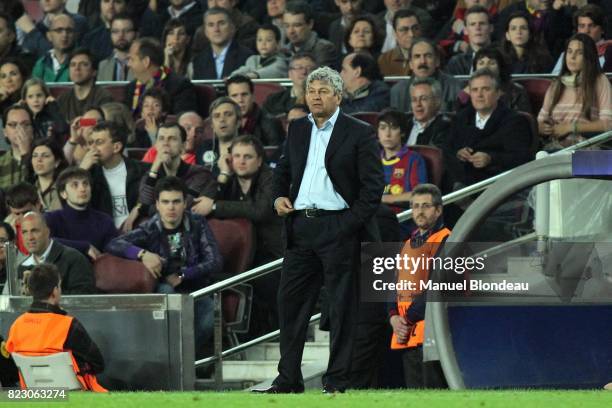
(47, 329)
(407, 314)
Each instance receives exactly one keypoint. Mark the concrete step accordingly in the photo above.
(271, 352)
(250, 370)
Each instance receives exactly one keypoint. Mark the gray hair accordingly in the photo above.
(218, 10)
(436, 88)
(431, 189)
(486, 72)
(326, 74)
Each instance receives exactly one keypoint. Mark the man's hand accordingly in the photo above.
(25, 23)
(25, 289)
(76, 135)
(90, 159)
(174, 280)
(202, 205)
(465, 153)
(401, 329)
(387, 199)
(23, 141)
(283, 206)
(128, 224)
(163, 156)
(93, 252)
(224, 163)
(480, 160)
(153, 263)
(150, 124)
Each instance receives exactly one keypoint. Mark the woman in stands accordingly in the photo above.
(514, 95)
(46, 164)
(578, 103)
(48, 120)
(524, 53)
(403, 167)
(155, 105)
(12, 76)
(362, 35)
(177, 54)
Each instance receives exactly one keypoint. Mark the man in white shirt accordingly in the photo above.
(115, 178)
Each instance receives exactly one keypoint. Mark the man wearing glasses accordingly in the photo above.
(407, 315)
(53, 65)
(280, 103)
(19, 132)
(406, 27)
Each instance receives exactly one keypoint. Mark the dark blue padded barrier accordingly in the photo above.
(533, 346)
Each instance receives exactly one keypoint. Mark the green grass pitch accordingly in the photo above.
(352, 399)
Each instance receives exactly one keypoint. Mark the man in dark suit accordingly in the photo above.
(145, 60)
(488, 137)
(328, 185)
(427, 125)
(222, 55)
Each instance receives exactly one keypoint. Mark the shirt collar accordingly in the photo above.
(330, 122)
(223, 51)
(423, 127)
(31, 260)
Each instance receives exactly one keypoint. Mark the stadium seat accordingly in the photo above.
(118, 275)
(51, 371)
(536, 90)
(205, 95)
(236, 241)
(262, 90)
(433, 160)
(368, 117)
(57, 90)
(117, 92)
(136, 153)
(535, 134)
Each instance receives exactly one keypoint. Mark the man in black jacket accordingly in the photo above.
(189, 12)
(75, 270)
(488, 138)
(254, 121)
(427, 125)
(116, 179)
(145, 61)
(328, 185)
(222, 55)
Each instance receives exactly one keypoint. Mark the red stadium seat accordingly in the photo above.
(56, 91)
(262, 90)
(535, 134)
(536, 90)
(118, 275)
(117, 92)
(433, 160)
(368, 117)
(236, 239)
(205, 94)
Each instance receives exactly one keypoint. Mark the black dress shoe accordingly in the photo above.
(276, 389)
(330, 389)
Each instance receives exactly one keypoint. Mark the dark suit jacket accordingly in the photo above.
(75, 270)
(204, 63)
(435, 134)
(101, 199)
(353, 164)
(506, 138)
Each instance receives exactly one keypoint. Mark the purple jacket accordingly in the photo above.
(203, 259)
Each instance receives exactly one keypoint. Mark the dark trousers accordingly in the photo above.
(318, 255)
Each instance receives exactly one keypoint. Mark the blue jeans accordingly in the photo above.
(203, 314)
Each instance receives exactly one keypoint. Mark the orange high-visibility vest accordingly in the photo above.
(404, 297)
(41, 334)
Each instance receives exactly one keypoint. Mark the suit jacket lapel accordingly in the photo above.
(337, 137)
(303, 147)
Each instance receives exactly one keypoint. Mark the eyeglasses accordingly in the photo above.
(61, 30)
(424, 206)
(424, 98)
(13, 125)
(413, 28)
(4, 240)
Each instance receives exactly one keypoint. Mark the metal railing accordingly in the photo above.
(273, 266)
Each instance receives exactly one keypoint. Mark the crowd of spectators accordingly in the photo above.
(72, 188)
